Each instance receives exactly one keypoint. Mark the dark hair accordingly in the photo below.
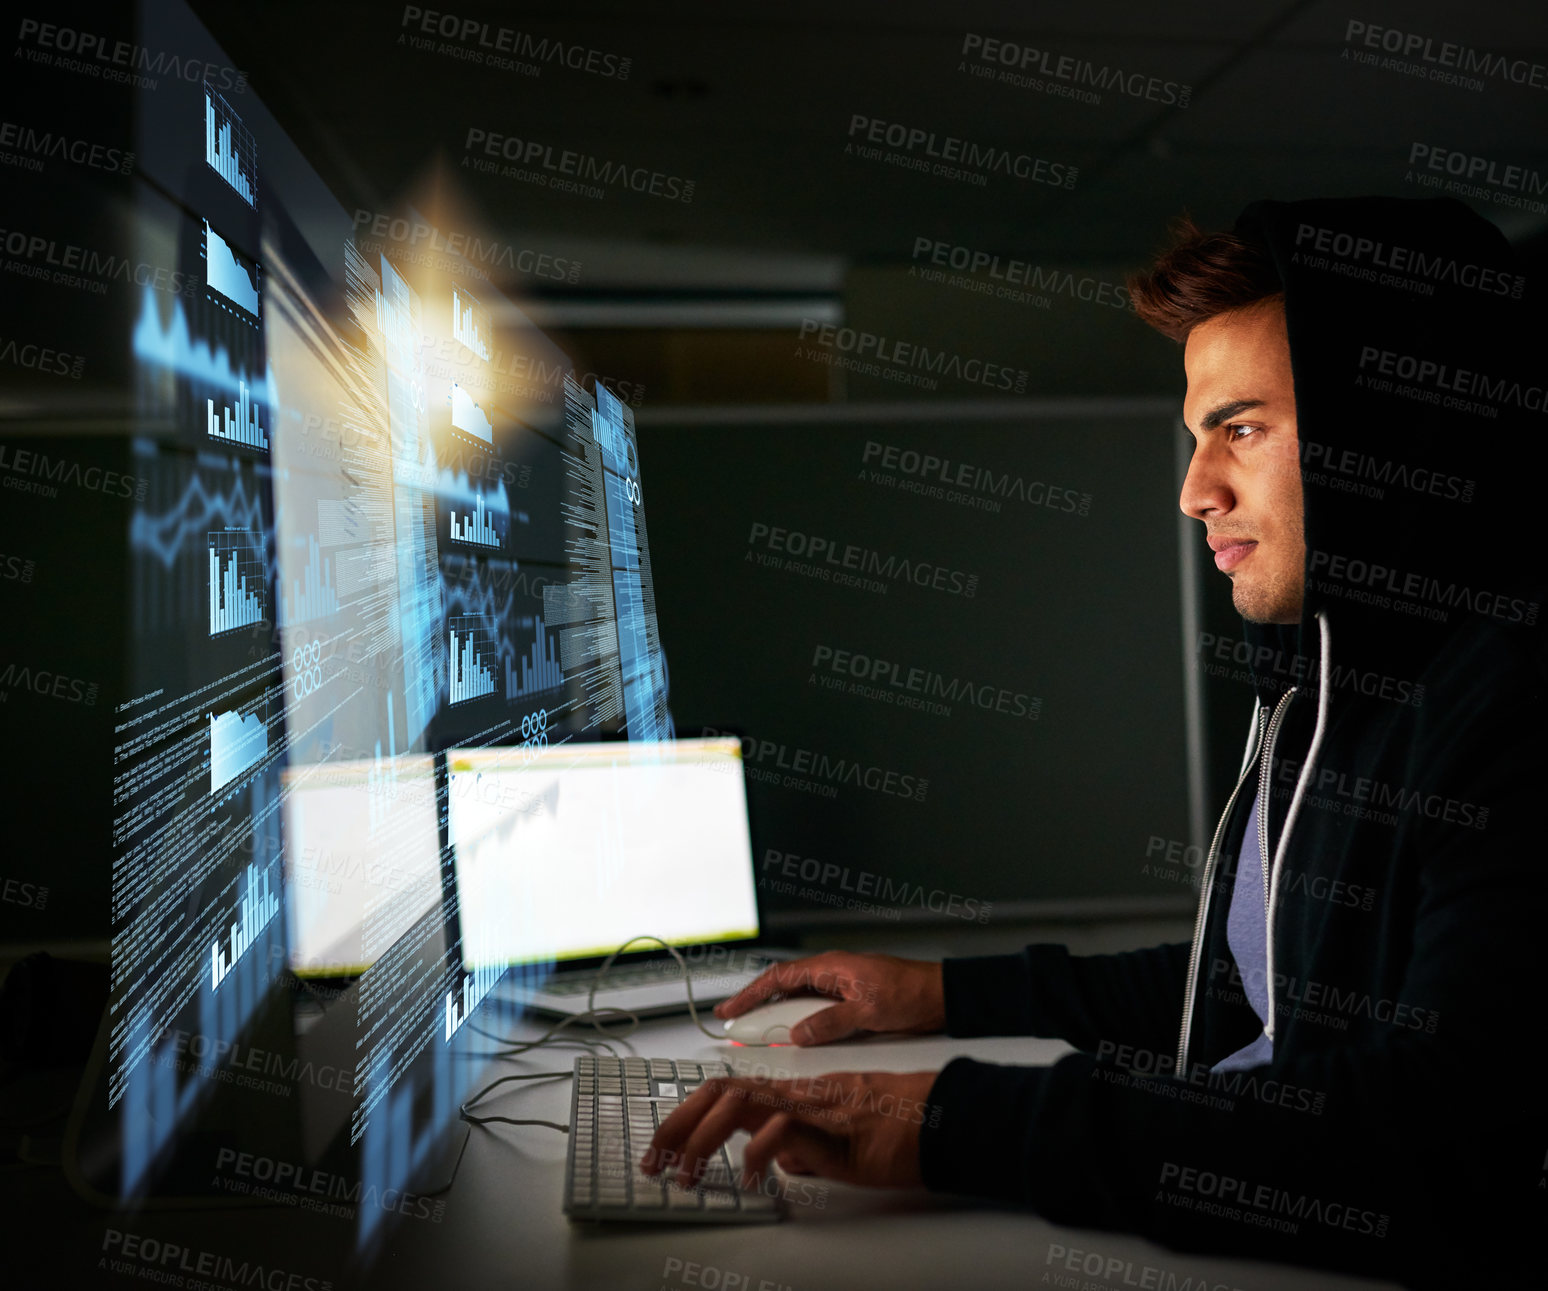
(1199, 276)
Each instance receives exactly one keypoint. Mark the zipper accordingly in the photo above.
(1268, 876)
(1207, 883)
(1263, 779)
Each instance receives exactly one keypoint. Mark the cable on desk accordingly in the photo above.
(507, 1120)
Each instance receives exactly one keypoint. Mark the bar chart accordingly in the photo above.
(477, 528)
(237, 422)
(228, 147)
(539, 671)
(258, 904)
(461, 1001)
(236, 579)
(236, 743)
(471, 676)
(313, 595)
(470, 322)
(228, 273)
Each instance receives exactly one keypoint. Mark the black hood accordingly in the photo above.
(1420, 408)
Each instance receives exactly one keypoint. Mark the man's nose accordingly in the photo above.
(1205, 489)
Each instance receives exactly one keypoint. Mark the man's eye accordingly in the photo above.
(1239, 431)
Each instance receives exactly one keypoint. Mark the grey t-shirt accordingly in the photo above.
(1247, 935)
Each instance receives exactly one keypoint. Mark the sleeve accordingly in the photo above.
(1134, 998)
(1353, 1154)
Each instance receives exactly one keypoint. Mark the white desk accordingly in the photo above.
(503, 1226)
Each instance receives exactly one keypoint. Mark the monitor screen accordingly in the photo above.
(567, 851)
(362, 861)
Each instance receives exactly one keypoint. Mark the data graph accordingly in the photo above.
(228, 273)
(313, 595)
(539, 670)
(236, 743)
(236, 579)
(472, 675)
(228, 147)
(469, 418)
(477, 528)
(475, 985)
(257, 905)
(237, 422)
(173, 346)
(470, 322)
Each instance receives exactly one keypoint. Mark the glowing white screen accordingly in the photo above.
(571, 850)
(362, 858)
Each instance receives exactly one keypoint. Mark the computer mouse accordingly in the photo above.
(771, 1023)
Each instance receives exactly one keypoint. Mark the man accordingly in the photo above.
(1338, 1068)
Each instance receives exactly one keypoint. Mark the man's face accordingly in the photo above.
(1244, 481)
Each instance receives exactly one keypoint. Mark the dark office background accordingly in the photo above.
(696, 310)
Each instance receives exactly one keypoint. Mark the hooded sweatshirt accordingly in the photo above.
(1396, 753)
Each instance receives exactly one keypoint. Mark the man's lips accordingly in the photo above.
(1230, 552)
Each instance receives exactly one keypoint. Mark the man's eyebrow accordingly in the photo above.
(1216, 417)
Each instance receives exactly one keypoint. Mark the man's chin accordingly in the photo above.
(1264, 609)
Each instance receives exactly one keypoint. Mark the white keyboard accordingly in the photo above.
(615, 1106)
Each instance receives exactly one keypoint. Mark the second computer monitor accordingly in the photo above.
(566, 852)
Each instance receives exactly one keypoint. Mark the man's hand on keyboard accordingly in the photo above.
(875, 993)
(855, 1127)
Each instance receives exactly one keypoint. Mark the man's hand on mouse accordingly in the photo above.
(855, 1127)
(875, 993)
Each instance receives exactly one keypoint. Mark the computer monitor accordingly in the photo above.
(565, 852)
(362, 859)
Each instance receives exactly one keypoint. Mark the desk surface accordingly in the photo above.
(500, 1225)
(503, 1226)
